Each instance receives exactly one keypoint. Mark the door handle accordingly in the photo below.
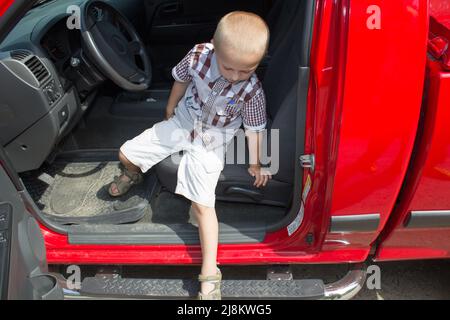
(171, 8)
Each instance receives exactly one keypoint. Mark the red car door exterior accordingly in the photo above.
(420, 225)
(364, 137)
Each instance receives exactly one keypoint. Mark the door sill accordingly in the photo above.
(161, 234)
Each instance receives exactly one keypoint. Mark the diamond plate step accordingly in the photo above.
(117, 287)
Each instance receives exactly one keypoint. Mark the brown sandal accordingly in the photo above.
(214, 294)
(123, 186)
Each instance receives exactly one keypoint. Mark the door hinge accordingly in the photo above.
(307, 161)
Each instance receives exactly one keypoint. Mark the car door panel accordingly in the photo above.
(5, 221)
(132, 10)
(173, 27)
(23, 264)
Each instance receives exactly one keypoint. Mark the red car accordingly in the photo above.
(358, 91)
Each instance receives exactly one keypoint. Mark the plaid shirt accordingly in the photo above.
(213, 101)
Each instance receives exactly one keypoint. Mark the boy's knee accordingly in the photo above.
(127, 163)
(122, 158)
(201, 209)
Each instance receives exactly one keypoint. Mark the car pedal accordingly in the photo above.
(46, 178)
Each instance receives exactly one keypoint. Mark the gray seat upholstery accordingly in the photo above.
(280, 85)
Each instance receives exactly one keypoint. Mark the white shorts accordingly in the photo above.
(199, 169)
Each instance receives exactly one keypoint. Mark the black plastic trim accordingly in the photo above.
(88, 155)
(355, 223)
(161, 234)
(37, 214)
(5, 247)
(10, 171)
(308, 24)
(302, 100)
(302, 97)
(428, 219)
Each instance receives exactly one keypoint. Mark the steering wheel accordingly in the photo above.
(115, 46)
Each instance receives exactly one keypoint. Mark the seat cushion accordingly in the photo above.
(235, 185)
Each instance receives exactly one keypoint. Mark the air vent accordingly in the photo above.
(20, 54)
(40, 72)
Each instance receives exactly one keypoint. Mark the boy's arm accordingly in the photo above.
(255, 120)
(177, 92)
(261, 176)
(183, 77)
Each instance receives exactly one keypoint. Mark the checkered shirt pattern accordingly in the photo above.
(218, 102)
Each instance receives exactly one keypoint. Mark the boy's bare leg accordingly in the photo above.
(209, 240)
(129, 166)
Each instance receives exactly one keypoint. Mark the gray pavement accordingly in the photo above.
(412, 280)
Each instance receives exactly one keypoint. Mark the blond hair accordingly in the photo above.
(242, 32)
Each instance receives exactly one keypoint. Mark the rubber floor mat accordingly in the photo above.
(78, 192)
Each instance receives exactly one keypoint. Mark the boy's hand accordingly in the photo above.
(261, 175)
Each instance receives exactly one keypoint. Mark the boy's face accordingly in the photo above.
(235, 68)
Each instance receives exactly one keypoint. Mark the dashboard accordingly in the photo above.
(60, 43)
(47, 81)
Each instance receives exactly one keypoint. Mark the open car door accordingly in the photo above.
(420, 224)
(23, 264)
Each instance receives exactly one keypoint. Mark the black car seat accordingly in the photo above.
(280, 17)
(280, 85)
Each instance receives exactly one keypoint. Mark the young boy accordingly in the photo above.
(215, 91)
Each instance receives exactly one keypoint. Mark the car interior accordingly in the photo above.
(79, 78)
